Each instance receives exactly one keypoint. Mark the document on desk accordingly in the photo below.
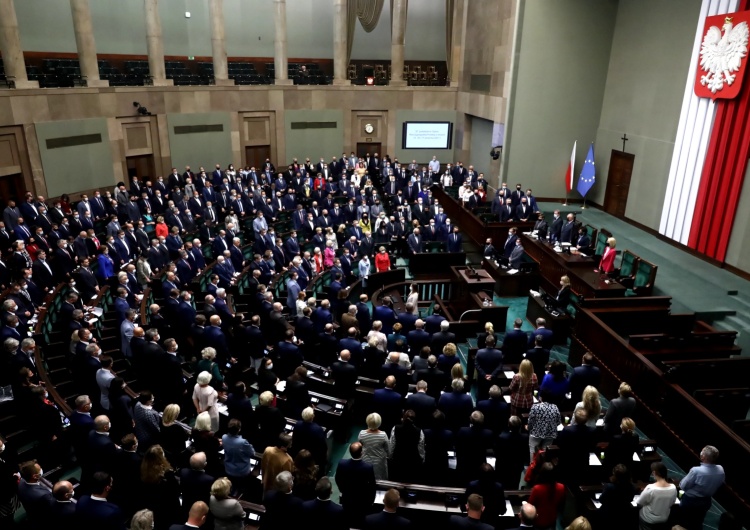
(636, 458)
(594, 460)
(507, 399)
(508, 374)
(379, 496)
(281, 386)
(490, 460)
(512, 271)
(98, 311)
(600, 422)
(222, 408)
(508, 510)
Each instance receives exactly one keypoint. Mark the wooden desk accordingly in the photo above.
(583, 279)
(511, 284)
(476, 282)
(560, 325)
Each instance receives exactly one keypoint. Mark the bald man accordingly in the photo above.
(195, 483)
(62, 512)
(355, 479)
(196, 517)
(388, 403)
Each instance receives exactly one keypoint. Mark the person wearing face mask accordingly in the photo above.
(35, 498)
(555, 230)
(8, 485)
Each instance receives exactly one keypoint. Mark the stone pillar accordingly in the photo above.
(340, 37)
(218, 45)
(10, 45)
(279, 43)
(155, 44)
(398, 32)
(85, 43)
(458, 32)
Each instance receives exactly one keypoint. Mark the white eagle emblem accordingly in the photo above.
(722, 54)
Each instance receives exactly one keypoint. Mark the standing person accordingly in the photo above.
(382, 261)
(375, 448)
(607, 263)
(406, 448)
(522, 388)
(544, 418)
(364, 269)
(413, 298)
(699, 486)
(275, 460)
(205, 399)
(657, 499)
(548, 497)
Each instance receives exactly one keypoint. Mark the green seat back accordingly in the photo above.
(627, 264)
(601, 243)
(642, 274)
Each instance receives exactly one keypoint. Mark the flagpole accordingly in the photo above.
(584, 204)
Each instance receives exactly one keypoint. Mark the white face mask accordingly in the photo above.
(2, 449)
(270, 366)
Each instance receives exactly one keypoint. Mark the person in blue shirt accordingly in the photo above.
(699, 485)
(237, 454)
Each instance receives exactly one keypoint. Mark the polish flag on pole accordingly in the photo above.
(569, 172)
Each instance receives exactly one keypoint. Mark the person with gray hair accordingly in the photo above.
(195, 483)
(205, 399)
(282, 508)
(699, 485)
(142, 520)
(457, 406)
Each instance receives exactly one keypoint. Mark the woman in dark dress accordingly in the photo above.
(622, 446)
(305, 475)
(205, 441)
(407, 449)
(160, 489)
(173, 436)
(121, 410)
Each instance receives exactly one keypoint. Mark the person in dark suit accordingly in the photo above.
(555, 229)
(355, 479)
(575, 442)
(489, 364)
(322, 509)
(455, 241)
(496, 411)
(513, 445)
(311, 436)
(282, 508)
(433, 376)
(527, 516)
(474, 512)
(344, 374)
(539, 357)
(619, 408)
(417, 338)
(422, 404)
(415, 242)
(195, 483)
(457, 406)
(387, 519)
(387, 402)
(471, 446)
(385, 314)
(62, 513)
(548, 339)
(583, 376)
(35, 498)
(514, 344)
(568, 231)
(94, 511)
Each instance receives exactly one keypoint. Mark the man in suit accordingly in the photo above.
(583, 376)
(472, 520)
(282, 508)
(568, 229)
(575, 442)
(456, 405)
(548, 340)
(524, 211)
(388, 519)
(344, 374)
(510, 243)
(513, 445)
(506, 211)
(442, 337)
(514, 344)
(385, 314)
(415, 242)
(516, 256)
(422, 404)
(433, 376)
(195, 483)
(323, 509)
(471, 445)
(539, 357)
(355, 479)
(489, 364)
(455, 241)
(94, 511)
(527, 516)
(101, 451)
(35, 498)
(196, 517)
(387, 402)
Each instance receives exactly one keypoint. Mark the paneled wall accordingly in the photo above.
(119, 28)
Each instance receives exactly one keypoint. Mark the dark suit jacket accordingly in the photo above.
(581, 377)
(423, 406)
(387, 403)
(547, 337)
(386, 521)
(514, 346)
(461, 522)
(575, 443)
(345, 376)
(195, 486)
(356, 482)
(98, 514)
(282, 511)
(324, 512)
(457, 408)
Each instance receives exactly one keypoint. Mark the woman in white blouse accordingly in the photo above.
(656, 500)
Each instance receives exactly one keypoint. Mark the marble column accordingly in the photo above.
(85, 43)
(458, 32)
(279, 43)
(218, 42)
(398, 33)
(155, 44)
(340, 36)
(10, 45)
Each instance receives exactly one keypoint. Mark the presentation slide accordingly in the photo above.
(427, 135)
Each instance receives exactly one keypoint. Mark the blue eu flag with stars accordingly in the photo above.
(588, 173)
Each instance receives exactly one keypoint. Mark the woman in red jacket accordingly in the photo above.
(162, 230)
(382, 261)
(607, 263)
(548, 497)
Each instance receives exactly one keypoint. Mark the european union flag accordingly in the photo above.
(588, 173)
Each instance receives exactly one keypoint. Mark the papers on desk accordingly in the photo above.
(490, 460)
(636, 458)
(281, 386)
(98, 311)
(594, 460)
(583, 255)
(507, 399)
(560, 427)
(535, 294)
(451, 460)
(512, 271)
(222, 408)
(600, 422)
(509, 374)
(289, 427)
(508, 510)
(379, 496)
(187, 444)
